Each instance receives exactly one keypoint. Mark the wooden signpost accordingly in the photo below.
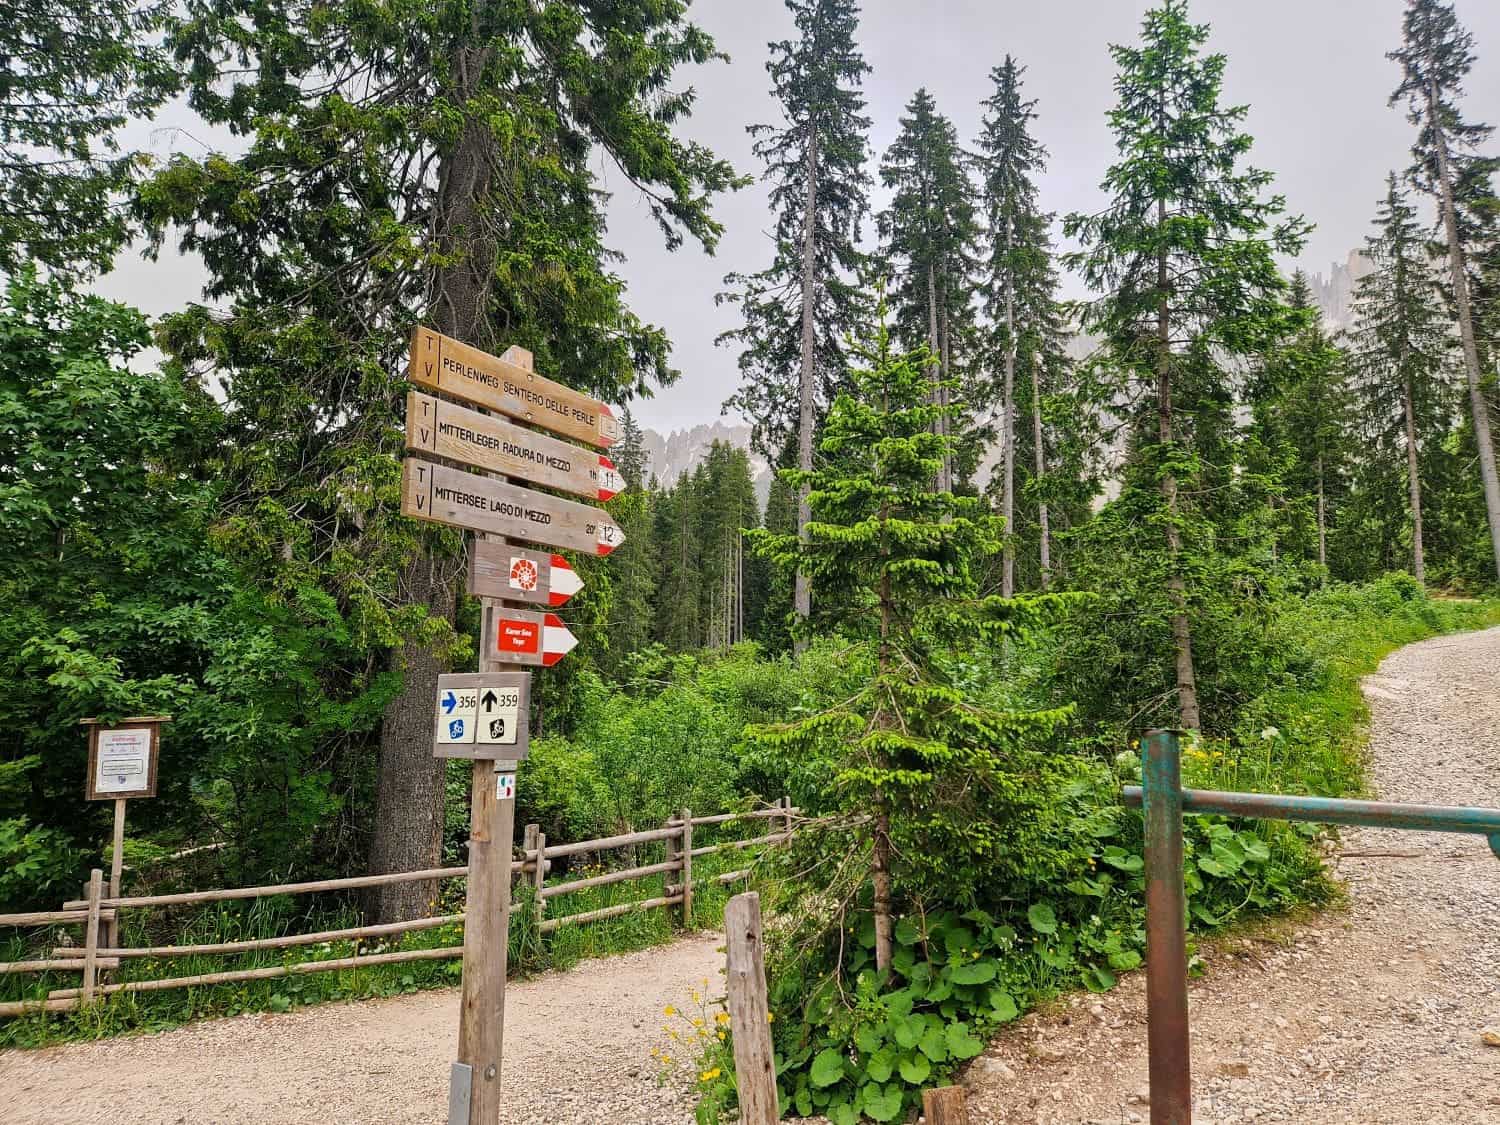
(435, 426)
(507, 384)
(441, 494)
(122, 764)
(501, 570)
(483, 716)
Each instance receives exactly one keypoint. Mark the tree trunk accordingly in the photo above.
(1008, 440)
(1182, 635)
(1457, 266)
(1322, 525)
(408, 829)
(805, 401)
(881, 874)
(1041, 472)
(1413, 484)
(937, 358)
(946, 399)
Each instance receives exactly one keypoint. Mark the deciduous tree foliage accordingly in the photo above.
(75, 71)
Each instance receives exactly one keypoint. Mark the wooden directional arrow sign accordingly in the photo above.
(441, 427)
(444, 495)
(502, 570)
(518, 636)
(507, 384)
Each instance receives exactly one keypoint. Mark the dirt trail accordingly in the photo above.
(1366, 1017)
(577, 1049)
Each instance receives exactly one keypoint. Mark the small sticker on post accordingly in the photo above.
(505, 787)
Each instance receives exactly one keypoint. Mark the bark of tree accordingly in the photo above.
(1041, 472)
(1413, 484)
(1478, 408)
(1008, 439)
(1182, 634)
(409, 793)
(937, 356)
(803, 592)
(1322, 525)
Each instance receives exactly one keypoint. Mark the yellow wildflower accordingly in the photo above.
(722, 1017)
(669, 1011)
(697, 1023)
(709, 1075)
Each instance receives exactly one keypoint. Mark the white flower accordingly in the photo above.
(1270, 733)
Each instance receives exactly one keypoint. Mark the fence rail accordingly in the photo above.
(96, 911)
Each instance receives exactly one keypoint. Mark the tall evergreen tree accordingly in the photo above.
(1300, 409)
(400, 165)
(935, 771)
(928, 236)
(1183, 258)
(1436, 55)
(1019, 292)
(801, 308)
(1401, 348)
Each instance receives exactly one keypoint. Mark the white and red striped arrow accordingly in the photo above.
(518, 574)
(517, 636)
(611, 483)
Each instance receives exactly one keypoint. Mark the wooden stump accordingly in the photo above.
(945, 1106)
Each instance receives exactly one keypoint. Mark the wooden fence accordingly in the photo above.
(96, 912)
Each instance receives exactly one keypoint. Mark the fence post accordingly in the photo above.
(116, 866)
(1166, 924)
(687, 868)
(536, 840)
(749, 1019)
(945, 1105)
(786, 817)
(91, 938)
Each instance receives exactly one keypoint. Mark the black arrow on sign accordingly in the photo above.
(489, 699)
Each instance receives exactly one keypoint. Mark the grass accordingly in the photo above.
(530, 952)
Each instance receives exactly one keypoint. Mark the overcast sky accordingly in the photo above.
(1313, 72)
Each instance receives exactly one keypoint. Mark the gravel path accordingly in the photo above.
(1371, 1016)
(577, 1050)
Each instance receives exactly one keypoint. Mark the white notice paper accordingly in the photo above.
(124, 761)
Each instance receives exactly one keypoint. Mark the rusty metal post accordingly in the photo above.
(1166, 931)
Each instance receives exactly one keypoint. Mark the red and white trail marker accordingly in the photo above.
(518, 574)
(518, 636)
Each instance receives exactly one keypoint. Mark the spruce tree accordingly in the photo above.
(897, 562)
(1401, 348)
(1019, 293)
(928, 236)
(1183, 257)
(1300, 410)
(1436, 56)
(800, 309)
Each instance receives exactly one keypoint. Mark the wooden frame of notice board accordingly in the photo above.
(151, 725)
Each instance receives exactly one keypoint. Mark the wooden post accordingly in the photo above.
(945, 1106)
(672, 882)
(786, 816)
(749, 1018)
(116, 864)
(91, 938)
(687, 868)
(535, 839)
(481, 1021)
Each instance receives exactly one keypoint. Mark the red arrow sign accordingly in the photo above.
(516, 636)
(516, 574)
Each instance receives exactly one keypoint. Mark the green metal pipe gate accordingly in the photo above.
(1164, 802)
